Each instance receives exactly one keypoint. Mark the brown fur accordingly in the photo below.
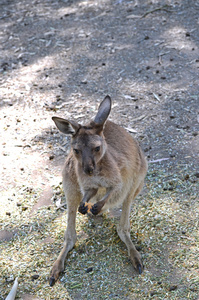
(105, 165)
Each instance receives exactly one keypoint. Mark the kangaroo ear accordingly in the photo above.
(66, 126)
(103, 111)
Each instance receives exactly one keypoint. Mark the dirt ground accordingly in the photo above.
(61, 58)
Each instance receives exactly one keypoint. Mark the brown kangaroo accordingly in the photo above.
(105, 165)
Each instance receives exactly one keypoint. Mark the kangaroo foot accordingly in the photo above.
(57, 268)
(135, 258)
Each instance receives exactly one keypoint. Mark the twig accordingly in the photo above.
(156, 97)
(131, 130)
(101, 251)
(157, 160)
(139, 118)
(12, 294)
(61, 206)
(160, 56)
(164, 7)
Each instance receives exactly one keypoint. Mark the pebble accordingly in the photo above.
(173, 288)
(152, 293)
(24, 208)
(89, 270)
(35, 276)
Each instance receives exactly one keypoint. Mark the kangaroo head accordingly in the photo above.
(88, 142)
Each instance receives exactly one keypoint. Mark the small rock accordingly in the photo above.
(84, 81)
(89, 270)
(24, 208)
(193, 289)
(197, 174)
(58, 97)
(186, 127)
(129, 9)
(10, 279)
(171, 188)
(173, 288)
(35, 276)
(186, 177)
(51, 157)
(152, 293)
(195, 133)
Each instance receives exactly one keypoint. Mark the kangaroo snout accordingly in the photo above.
(88, 167)
(88, 170)
(88, 161)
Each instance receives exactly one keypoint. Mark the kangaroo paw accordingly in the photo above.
(83, 208)
(95, 209)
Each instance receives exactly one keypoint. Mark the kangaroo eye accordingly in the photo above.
(97, 149)
(76, 151)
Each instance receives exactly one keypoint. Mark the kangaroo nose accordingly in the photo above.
(89, 170)
(88, 165)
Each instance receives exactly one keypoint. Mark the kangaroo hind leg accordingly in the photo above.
(73, 200)
(123, 231)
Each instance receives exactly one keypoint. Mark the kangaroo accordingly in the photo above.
(105, 166)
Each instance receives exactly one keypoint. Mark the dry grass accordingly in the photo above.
(164, 228)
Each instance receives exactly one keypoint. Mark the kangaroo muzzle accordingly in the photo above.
(89, 170)
(88, 167)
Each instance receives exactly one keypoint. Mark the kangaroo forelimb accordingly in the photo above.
(83, 209)
(97, 207)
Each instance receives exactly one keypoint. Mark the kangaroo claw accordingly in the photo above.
(139, 269)
(52, 281)
(137, 263)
